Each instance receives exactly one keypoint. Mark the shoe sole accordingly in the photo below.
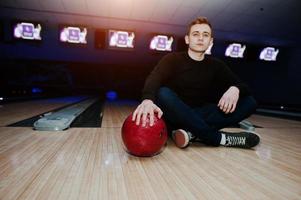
(181, 139)
(254, 132)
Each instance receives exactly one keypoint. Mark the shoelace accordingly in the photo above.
(235, 141)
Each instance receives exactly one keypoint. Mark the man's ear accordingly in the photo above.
(186, 39)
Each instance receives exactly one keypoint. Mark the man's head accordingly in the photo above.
(199, 35)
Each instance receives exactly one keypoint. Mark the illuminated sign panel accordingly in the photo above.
(161, 43)
(235, 50)
(27, 31)
(73, 34)
(269, 54)
(121, 39)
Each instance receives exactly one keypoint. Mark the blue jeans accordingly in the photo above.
(203, 122)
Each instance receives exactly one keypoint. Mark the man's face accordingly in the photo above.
(199, 38)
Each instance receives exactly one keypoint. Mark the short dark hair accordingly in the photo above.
(199, 20)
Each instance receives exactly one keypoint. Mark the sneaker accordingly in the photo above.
(182, 138)
(244, 139)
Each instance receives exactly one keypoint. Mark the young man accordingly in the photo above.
(198, 95)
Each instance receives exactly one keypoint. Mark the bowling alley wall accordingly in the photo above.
(95, 67)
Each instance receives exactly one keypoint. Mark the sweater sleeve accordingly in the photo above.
(226, 78)
(158, 77)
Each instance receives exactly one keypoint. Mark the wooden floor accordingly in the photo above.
(90, 163)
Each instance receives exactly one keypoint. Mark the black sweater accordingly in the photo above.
(195, 82)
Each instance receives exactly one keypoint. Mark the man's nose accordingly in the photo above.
(200, 37)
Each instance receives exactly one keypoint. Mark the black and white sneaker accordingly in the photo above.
(182, 138)
(243, 139)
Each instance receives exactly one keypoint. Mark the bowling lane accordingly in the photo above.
(272, 122)
(90, 163)
(114, 118)
(14, 112)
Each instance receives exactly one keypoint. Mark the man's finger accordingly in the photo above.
(134, 115)
(233, 108)
(221, 104)
(160, 113)
(225, 106)
(144, 115)
(151, 118)
(229, 108)
(138, 117)
(136, 112)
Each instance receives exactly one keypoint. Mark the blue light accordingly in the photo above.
(36, 90)
(111, 95)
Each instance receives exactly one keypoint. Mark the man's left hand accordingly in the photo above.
(229, 100)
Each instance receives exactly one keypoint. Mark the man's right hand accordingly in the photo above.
(147, 107)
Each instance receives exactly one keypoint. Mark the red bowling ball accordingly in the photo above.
(144, 141)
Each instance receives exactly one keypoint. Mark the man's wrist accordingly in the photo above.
(147, 101)
(235, 87)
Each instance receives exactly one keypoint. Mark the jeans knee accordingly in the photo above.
(250, 103)
(253, 103)
(164, 94)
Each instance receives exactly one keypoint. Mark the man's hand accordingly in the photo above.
(147, 107)
(229, 100)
